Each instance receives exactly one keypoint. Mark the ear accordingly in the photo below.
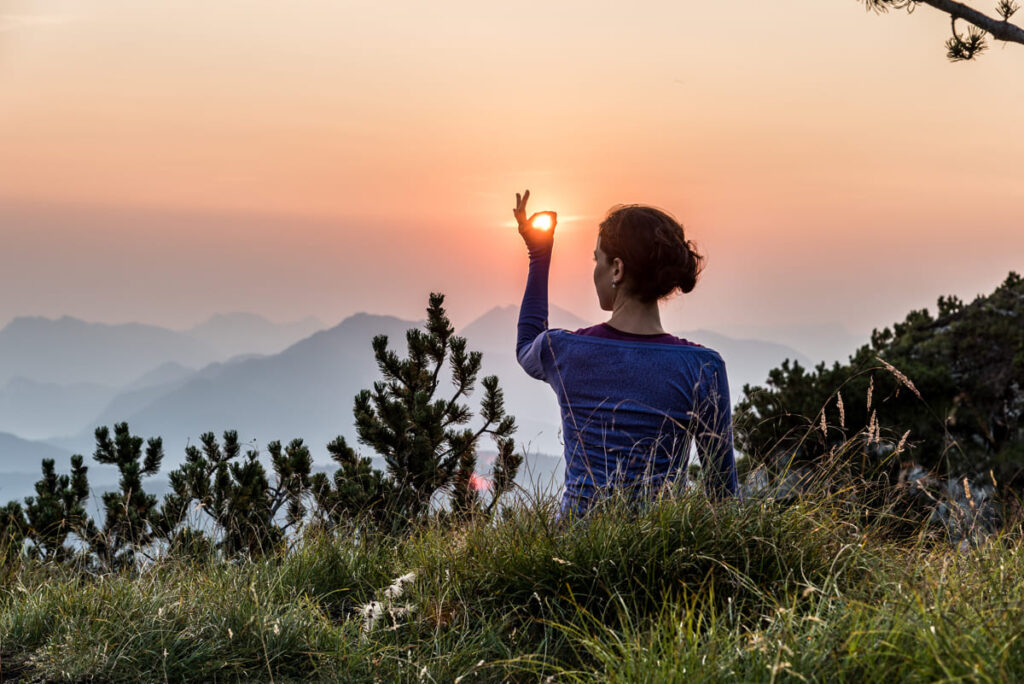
(618, 269)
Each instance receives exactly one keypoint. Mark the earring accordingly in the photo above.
(614, 284)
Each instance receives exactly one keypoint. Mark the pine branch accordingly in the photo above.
(961, 47)
(449, 414)
(1000, 30)
(449, 455)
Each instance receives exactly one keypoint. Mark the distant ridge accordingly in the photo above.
(19, 455)
(68, 350)
(747, 361)
(39, 410)
(249, 333)
(305, 391)
(161, 375)
(496, 329)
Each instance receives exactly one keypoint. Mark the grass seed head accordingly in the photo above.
(904, 380)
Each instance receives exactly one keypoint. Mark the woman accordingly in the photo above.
(632, 396)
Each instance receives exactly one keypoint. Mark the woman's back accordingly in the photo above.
(631, 409)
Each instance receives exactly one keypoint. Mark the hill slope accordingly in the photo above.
(305, 391)
(68, 350)
(247, 333)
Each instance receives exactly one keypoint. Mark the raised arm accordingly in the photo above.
(713, 414)
(533, 314)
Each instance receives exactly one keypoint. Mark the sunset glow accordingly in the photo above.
(164, 161)
(543, 222)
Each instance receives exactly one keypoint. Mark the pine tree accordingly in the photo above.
(359, 491)
(421, 436)
(235, 493)
(57, 510)
(130, 511)
(955, 382)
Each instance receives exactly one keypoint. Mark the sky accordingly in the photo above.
(166, 160)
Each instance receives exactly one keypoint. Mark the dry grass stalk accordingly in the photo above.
(902, 443)
(871, 389)
(967, 493)
(842, 409)
(904, 380)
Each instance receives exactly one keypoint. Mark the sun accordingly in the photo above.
(542, 222)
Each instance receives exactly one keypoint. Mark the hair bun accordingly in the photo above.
(689, 268)
(657, 256)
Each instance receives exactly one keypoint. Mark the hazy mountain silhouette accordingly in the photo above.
(249, 333)
(49, 411)
(38, 410)
(496, 329)
(828, 342)
(142, 393)
(21, 467)
(68, 350)
(163, 374)
(747, 361)
(305, 391)
(19, 455)
(74, 368)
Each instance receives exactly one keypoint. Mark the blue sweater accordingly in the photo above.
(629, 409)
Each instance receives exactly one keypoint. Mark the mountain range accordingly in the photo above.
(305, 390)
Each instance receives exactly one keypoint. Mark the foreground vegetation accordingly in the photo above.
(878, 539)
(685, 590)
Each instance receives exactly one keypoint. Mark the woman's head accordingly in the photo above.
(642, 252)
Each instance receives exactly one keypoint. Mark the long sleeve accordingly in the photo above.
(714, 435)
(533, 316)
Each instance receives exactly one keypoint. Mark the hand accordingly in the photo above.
(536, 239)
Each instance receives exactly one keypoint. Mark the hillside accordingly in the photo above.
(68, 350)
(305, 391)
(38, 410)
(685, 590)
(248, 333)
(19, 455)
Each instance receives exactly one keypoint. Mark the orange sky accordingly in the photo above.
(164, 160)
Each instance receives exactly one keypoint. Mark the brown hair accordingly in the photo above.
(657, 256)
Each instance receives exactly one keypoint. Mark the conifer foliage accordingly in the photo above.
(965, 45)
(57, 510)
(129, 512)
(422, 436)
(224, 500)
(234, 492)
(946, 390)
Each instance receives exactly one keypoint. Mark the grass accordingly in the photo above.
(682, 591)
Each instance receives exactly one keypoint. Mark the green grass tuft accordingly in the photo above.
(684, 590)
